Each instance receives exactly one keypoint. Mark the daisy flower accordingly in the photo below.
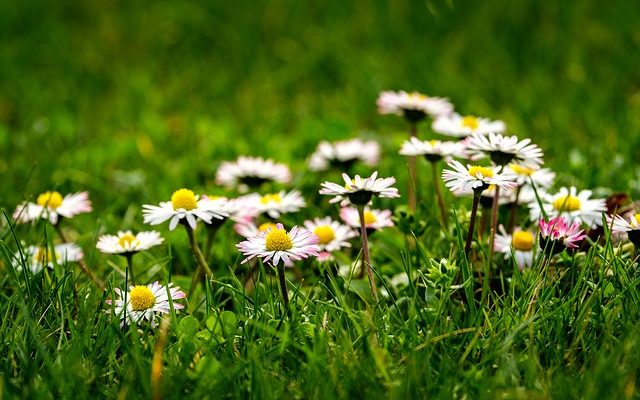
(458, 126)
(631, 227)
(374, 220)
(504, 150)
(146, 302)
(520, 244)
(332, 235)
(125, 242)
(276, 244)
(571, 204)
(542, 178)
(432, 150)
(413, 106)
(51, 205)
(184, 205)
(343, 154)
(557, 235)
(248, 229)
(275, 204)
(360, 190)
(38, 257)
(475, 178)
(251, 172)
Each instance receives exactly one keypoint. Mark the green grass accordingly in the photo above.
(132, 100)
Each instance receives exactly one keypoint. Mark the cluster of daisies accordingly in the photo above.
(477, 160)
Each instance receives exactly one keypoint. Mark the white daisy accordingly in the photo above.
(343, 154)
(520, 244)
(360, 190)
(456, 125)
(504, 150)
(251, 172)
(275, 245)
(432, 150)
(146, 302)
(185, 205)
(52, 206)
(472, 178)
(38, 257)
(630, 225)
(275, 204)
(373, 219)
(332, 235)
(249, 229)
(413, 106)
(125, 242)
(542, 178)
(571, 204)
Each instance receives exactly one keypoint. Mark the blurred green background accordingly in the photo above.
(133, 99)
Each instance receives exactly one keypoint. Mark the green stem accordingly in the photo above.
(439, 198)
(202, 263)
(474, 211)
(365, 252)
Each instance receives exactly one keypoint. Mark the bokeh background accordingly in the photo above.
(133, 99)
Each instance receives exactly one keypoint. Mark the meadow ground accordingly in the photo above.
(131, 100)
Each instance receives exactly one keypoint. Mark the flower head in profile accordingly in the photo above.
(557, 234)
(374, 220)
(38, 257)
(571, 204)
(432, 150)
(460, 126)
(275, 204)
(276, 244)
(332, 235)
(520, 244)
(472, 179)
(344, 154)
(52, 206)
(145, 303)
(186, 207)
(504, 150)
(358, 190)
(251, 172)
(630, 225)
(413, 106)
(126, 243)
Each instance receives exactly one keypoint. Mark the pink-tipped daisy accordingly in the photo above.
(38, 257)
(460, 126)
(184, 206)
(571, 204)
(360, 190)
(251, 172)
(504, 150)
(557, 235)
(432, 150)
(146, 302)
(343, 154)
(332, 235)
(469, 179)
(126, 243)
(51, 206)
(520, 244)
(276, 244)
(413, 106)
(374, 220)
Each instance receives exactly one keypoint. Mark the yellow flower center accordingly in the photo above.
(50, 199)
(45, 256)
(567, 203)
(185, 199)
(127, 240)
(278, 240)
(470, 122)
(520, 170)
(637, 218)
(141, 298)
(269, 198)
(325, 233)
(483, 171)
(266, 226)
(418, 96)
(522, 240)
(369, 218)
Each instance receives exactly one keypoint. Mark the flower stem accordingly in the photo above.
(126, 291)
(129, 258)
(283, 286)
(439, 199)
(494, 225)
(411, 192)
(199, 273)
(514, 211)
(202, 263)
(81, 262)
(474, 211)
(365, 252)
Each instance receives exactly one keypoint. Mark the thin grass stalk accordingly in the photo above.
(411, 190)
(81, 262)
